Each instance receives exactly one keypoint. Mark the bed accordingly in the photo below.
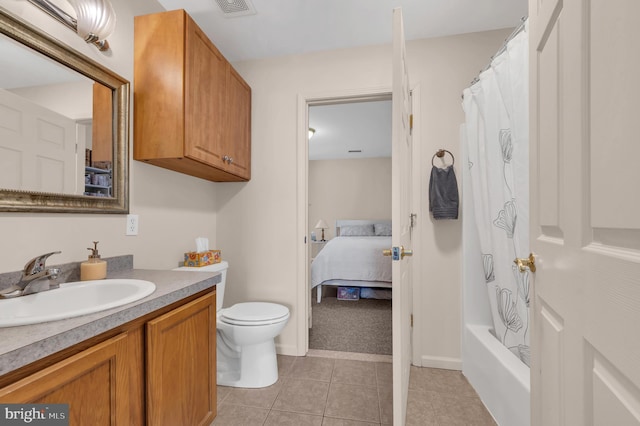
(354, 257)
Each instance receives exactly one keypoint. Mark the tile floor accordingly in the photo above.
(332, 391)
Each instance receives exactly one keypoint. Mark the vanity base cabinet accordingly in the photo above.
(181, 365)
(95, 383)
(156, 370)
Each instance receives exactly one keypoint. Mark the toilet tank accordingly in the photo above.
(216, 267)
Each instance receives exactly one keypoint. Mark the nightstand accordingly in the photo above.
(316, 247)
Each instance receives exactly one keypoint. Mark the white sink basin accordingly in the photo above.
(72, 300)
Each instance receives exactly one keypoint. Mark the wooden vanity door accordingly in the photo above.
(94, 382)
(181, 365)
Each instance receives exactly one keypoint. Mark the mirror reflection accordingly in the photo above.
(55, 126)
(51, 119)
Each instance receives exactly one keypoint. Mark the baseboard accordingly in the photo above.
(441, 362)
(290, 350)
(445, 363)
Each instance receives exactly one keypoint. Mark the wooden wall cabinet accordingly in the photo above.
(192, 110)
(161, 370)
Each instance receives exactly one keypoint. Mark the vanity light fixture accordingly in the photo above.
(95, 19)
(312, 131)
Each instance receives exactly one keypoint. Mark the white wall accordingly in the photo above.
(173, 208)
(348, 189)
(443, 67)
(258, 220)
(255, 223)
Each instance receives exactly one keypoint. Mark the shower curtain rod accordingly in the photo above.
(515, 32)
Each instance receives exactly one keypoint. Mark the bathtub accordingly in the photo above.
(498, 376)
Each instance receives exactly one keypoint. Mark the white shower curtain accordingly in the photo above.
(497, 137)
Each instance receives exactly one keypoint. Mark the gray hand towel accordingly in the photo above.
(443, 193)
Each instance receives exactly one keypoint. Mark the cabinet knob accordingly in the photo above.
(230, 160)
(225, 158)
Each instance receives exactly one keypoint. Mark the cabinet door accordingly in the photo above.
(159, 56)
(205, 73)
(181, 365)
(236, 142)
(95, 384)
(102, 124)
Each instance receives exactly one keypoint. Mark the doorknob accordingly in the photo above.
(529, 262)
(404, 252)
(397, 252)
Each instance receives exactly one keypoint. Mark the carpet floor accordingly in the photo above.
(362, 326)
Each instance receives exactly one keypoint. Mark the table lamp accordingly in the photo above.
(322, 225)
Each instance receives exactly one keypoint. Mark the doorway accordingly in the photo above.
(303, 225)
(349, 188)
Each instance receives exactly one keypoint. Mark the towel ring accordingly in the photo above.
(440, 153)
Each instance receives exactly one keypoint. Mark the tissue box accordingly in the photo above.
(202, 259)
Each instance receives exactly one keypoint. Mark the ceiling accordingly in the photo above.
(289, 27)
(350, 130)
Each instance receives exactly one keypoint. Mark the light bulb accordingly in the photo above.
(96, 19)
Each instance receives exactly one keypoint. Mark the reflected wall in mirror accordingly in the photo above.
(63, 127)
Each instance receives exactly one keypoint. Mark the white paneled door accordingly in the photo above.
(585, 212)
(37, 148)
(401, 217)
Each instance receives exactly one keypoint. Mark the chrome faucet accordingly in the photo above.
(33, 272)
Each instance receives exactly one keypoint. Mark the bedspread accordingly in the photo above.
(352, 258)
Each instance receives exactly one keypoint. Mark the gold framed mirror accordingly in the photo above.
(34, 175)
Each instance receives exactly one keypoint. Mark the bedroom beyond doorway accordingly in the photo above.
(349, 180)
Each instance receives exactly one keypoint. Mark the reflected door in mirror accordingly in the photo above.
(37, 148)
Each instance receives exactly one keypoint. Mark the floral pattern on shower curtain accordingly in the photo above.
(497, 137)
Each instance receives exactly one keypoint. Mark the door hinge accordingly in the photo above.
(413, 218)
(411, 320)
(410, 122)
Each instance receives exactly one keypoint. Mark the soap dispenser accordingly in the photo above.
(94, 268)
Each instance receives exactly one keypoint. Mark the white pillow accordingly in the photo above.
(382, 229)
(356, 231)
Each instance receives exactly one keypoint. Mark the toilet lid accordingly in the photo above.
(254, 313)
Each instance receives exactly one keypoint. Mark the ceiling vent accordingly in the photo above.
(235, 8)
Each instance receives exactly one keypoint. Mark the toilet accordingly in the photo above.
(246, 351)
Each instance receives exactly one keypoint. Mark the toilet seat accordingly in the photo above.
(254, 313)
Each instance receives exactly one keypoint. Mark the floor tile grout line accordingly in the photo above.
(379, 404)
(326, 401)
